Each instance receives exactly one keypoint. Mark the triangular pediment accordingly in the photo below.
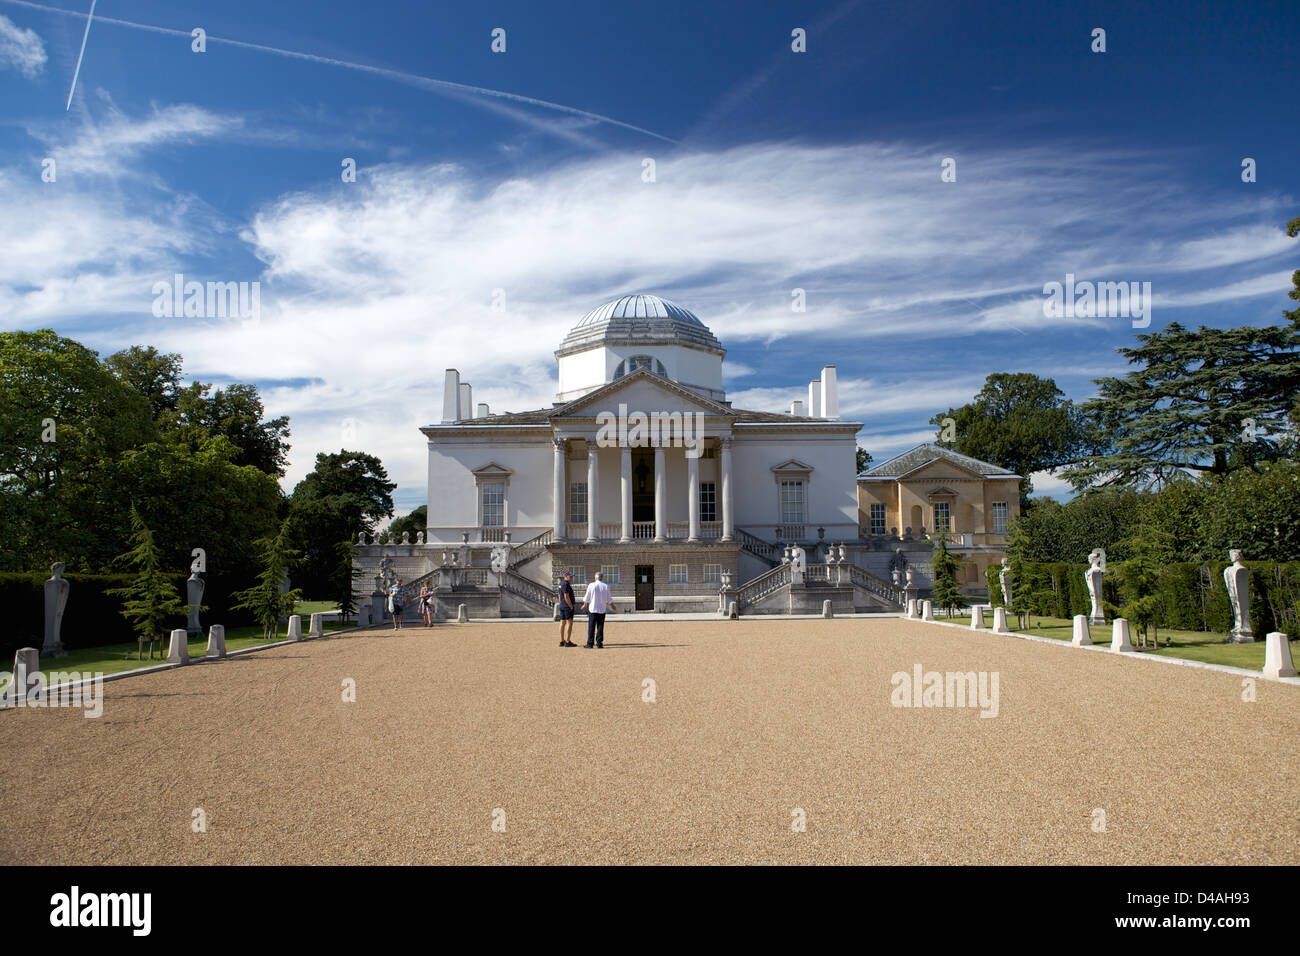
(642, 391)
(792, 466)
(492, 470)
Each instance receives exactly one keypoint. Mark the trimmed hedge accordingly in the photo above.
(93, 617)
(1190, 596)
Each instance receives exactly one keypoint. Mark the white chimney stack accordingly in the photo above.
(796, 408)
(814, 399)
(830, 399)
(482, 410)
(466, 409)
(451, 396)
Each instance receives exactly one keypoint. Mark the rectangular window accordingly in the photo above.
(609, 573)
(677, 574)
(708, 501)
(942, 516)
(494, 504)
(877, 519)
(579, 576)
(712, 574)
(578, 501)
(791, 501)
(999, 517)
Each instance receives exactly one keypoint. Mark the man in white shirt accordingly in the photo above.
(597, 599)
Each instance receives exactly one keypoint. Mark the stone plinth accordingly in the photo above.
(1120, 641)
(295, 628)
(977, 617)
(462, 614)
(178, 651)
(1000, 621)
(27, 661)
(317, 625)
(1277, 656)
(927, 610)
(1082, 636)
(828, 609)
(217, 640)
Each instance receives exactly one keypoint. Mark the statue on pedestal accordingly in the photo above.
(1092, 577)
(1004, 581)
(1237, 577)
(56, 599)
(194, 598)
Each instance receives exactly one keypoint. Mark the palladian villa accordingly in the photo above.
(643, 470)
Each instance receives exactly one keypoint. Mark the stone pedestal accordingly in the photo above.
(295, 628)
(317, 625)
(927, 610)
(1277, 656)
(1082, 636)
(733, 611)
(1120, 641)
(178, 652)
(217, 640)
(462, 616)
(911, 608)
(827, 610)
(977, 617)
(1000, 621)
(27, 661)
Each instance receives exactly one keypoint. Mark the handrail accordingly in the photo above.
(531, 548)
(760, 587)
(757, 546)
(877, 585)
(528, 589)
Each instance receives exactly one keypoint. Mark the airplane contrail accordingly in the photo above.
(411, 79)
(84, 37)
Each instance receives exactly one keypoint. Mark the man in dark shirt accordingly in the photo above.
(564, 596)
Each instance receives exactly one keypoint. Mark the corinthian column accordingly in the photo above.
(693, 491)
(661, 486)
(625, 478)
(728, 518)
(593, 493)
(558, 505)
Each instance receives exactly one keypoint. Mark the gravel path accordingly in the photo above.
(753, 719)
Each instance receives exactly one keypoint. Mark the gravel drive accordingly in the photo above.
(752, 720)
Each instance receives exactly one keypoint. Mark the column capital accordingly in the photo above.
(726, 441)
(559, 442)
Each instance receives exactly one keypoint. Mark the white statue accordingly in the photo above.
(1004, 580)
(1092, 577)
(798, 558)
(56, 600)
(500, 558)
(1237, 577)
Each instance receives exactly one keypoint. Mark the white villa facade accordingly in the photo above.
(643, 470)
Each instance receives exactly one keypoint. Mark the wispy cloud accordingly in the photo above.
(21, 49)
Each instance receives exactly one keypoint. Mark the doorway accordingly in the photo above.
(645, 587)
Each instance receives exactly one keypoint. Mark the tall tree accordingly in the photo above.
(1293, 230)
(1205, 401)
(1019, 421)
(150, 599)
(62, 415)
(864, 459)
(155, 375)
(266, 600)
(236, 413)
(943, 566)
(417, 520)
(346, 493)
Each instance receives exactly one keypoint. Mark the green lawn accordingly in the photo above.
(1209, 648)
(113, 658)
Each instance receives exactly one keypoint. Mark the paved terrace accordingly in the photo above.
(753, 719)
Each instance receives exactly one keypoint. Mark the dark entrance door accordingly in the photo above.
(645, 587)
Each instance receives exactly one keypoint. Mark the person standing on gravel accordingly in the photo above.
(396, 603)
(597, 599)
(565, 599)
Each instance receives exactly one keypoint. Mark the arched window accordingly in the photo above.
(627, 366)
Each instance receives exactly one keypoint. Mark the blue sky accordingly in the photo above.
(775, 170)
